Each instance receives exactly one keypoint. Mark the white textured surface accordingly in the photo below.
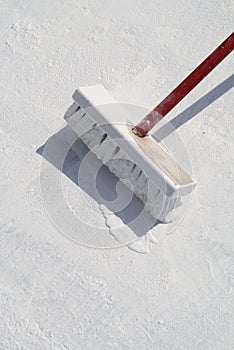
(55, 294)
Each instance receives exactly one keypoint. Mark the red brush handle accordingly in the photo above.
(143, 127)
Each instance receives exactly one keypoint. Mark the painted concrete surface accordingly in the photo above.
(56, 291)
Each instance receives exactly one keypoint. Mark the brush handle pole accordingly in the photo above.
(194, 78)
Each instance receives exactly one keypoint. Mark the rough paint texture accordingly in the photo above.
(55, 294)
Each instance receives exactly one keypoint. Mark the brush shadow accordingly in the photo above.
(194, 109)
(106, 182)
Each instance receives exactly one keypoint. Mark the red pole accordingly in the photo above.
(194, 78)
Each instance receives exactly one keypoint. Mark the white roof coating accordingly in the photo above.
(68, 280)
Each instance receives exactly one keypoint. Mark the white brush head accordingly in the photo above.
(103, 125)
